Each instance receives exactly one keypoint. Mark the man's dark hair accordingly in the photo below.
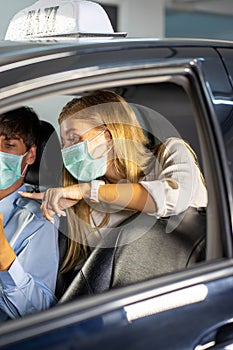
(22, 122)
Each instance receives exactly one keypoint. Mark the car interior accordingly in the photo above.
(142, 247)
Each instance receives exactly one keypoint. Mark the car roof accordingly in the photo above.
(10, 51)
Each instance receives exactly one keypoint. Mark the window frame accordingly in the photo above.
(183, 72)
(188, 74)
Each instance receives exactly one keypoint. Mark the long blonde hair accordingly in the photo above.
(131, 159)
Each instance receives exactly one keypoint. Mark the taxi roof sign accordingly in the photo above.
(61, 18)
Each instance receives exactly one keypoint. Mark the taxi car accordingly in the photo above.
(180, 88)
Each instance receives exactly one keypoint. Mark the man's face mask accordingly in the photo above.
(81, 165)
(10, 169)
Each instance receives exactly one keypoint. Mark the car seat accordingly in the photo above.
(46, 172)
(139, 249)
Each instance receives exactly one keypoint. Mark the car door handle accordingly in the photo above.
(223, 339)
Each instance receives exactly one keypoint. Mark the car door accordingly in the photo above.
(191, 308)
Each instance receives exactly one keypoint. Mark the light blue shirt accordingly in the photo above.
(30, 282)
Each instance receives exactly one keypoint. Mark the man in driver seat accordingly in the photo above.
(28, 242)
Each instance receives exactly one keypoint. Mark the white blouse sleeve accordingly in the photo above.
(175, 181)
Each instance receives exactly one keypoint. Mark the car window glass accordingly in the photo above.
(164, 110)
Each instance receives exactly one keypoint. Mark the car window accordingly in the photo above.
(164, 110)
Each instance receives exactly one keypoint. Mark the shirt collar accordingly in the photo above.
(7, 204)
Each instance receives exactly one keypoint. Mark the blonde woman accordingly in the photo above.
(110, 173)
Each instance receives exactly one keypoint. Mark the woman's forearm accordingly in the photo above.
(132, 196)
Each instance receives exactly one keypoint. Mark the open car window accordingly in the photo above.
(164, 110)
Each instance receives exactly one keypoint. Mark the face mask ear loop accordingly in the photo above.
(95, 137)
(26, 166)
(25, 154)
(108, 149)
(24, 170)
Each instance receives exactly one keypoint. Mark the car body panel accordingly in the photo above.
(179, 310)
(102, 321)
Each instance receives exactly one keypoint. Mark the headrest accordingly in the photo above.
(47, 169)
(143, 116)
(58, 18)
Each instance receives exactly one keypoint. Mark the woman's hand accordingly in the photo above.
(7, 254)
(56, 200)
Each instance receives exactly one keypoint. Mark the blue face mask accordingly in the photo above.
(10, 169)
(81, 165)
